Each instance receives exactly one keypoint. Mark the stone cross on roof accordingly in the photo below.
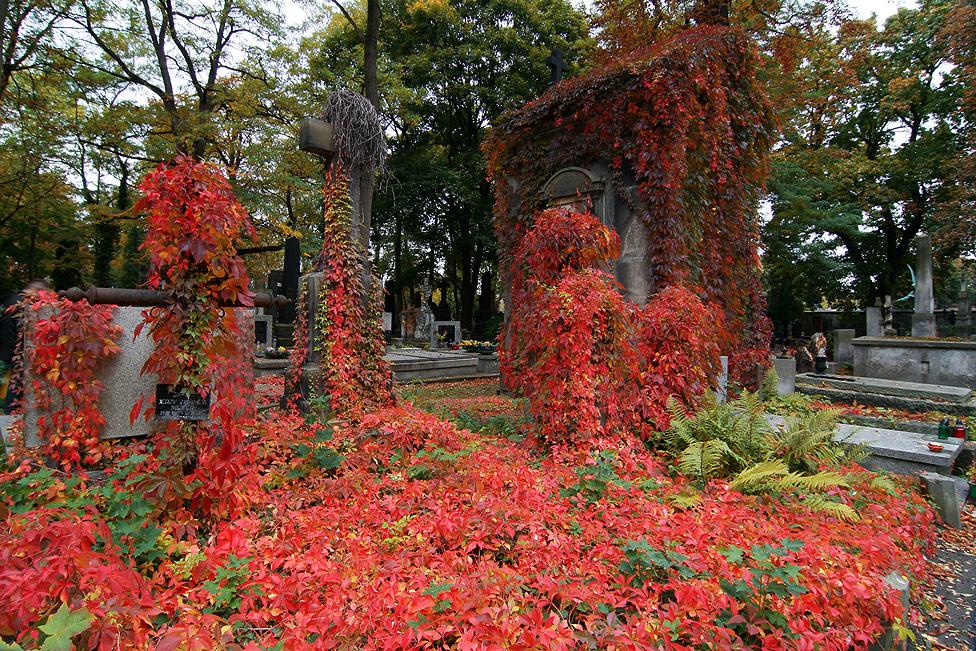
(558, 66)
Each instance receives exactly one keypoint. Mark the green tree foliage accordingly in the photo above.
(448, 69)
(871, 128)
(178, 53)
(957, 216)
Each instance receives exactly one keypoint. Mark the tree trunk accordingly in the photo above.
(370, 46)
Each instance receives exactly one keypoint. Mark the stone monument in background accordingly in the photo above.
(923, 321)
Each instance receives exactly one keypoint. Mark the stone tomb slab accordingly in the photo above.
(898, 452)
(891, 387)
(417, 364)
(123, 379)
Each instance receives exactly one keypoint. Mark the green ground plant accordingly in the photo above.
(734, 440)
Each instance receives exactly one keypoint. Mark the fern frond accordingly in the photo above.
(770, 383)
(823, 505)
(882, 482)
(703, 459)
(760, 475)
(817, 482)
(686, 499)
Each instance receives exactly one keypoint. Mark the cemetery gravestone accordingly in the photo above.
(785, 375)
(872, 316)
(843, 348)
(964, 324)
(125, 384)
(263, 334)
(425, 317)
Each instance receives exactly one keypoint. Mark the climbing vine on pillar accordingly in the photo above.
(193, 221)
(348, 332)
(588, 360)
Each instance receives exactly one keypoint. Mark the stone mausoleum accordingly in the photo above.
(669, 147)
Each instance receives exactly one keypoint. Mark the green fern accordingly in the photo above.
(720, 440)
(734, 440)
(760, 476)
(823, 505)
(770, 385)
(705, 459)
(808, 443)
(883, 482)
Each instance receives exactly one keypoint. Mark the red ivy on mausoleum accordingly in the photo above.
(687, 124)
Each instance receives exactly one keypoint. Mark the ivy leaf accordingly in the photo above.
(732, 554)
(63, 625)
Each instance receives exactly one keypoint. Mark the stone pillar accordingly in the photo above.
(873, 317)
(923, 321)
(964, 321)
(888, 329)
(310, 373)
(785, 375)
(312, 286)
(722, 392)
(843, 349)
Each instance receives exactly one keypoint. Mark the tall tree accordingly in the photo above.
(26, 34)
(956, 228)
(178, 52)
(865, 163)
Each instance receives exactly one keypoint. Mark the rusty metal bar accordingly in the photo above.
(152, 298)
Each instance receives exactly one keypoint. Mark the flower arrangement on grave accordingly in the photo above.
(481, 347)
(273, 352)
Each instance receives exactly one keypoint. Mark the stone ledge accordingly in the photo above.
(898, 452)
(878, 400)
(905, 342)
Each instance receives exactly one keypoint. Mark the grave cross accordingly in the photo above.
(555, 61)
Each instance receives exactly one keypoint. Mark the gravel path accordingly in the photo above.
(949, 601)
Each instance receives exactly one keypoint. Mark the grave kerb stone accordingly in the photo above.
(785, 375)
(942, 490)
(873, 318)
(843, 348)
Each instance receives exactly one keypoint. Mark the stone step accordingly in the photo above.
(896, 388)
(882, 400)
(898, 452)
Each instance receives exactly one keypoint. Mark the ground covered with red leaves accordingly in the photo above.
(402, 530)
